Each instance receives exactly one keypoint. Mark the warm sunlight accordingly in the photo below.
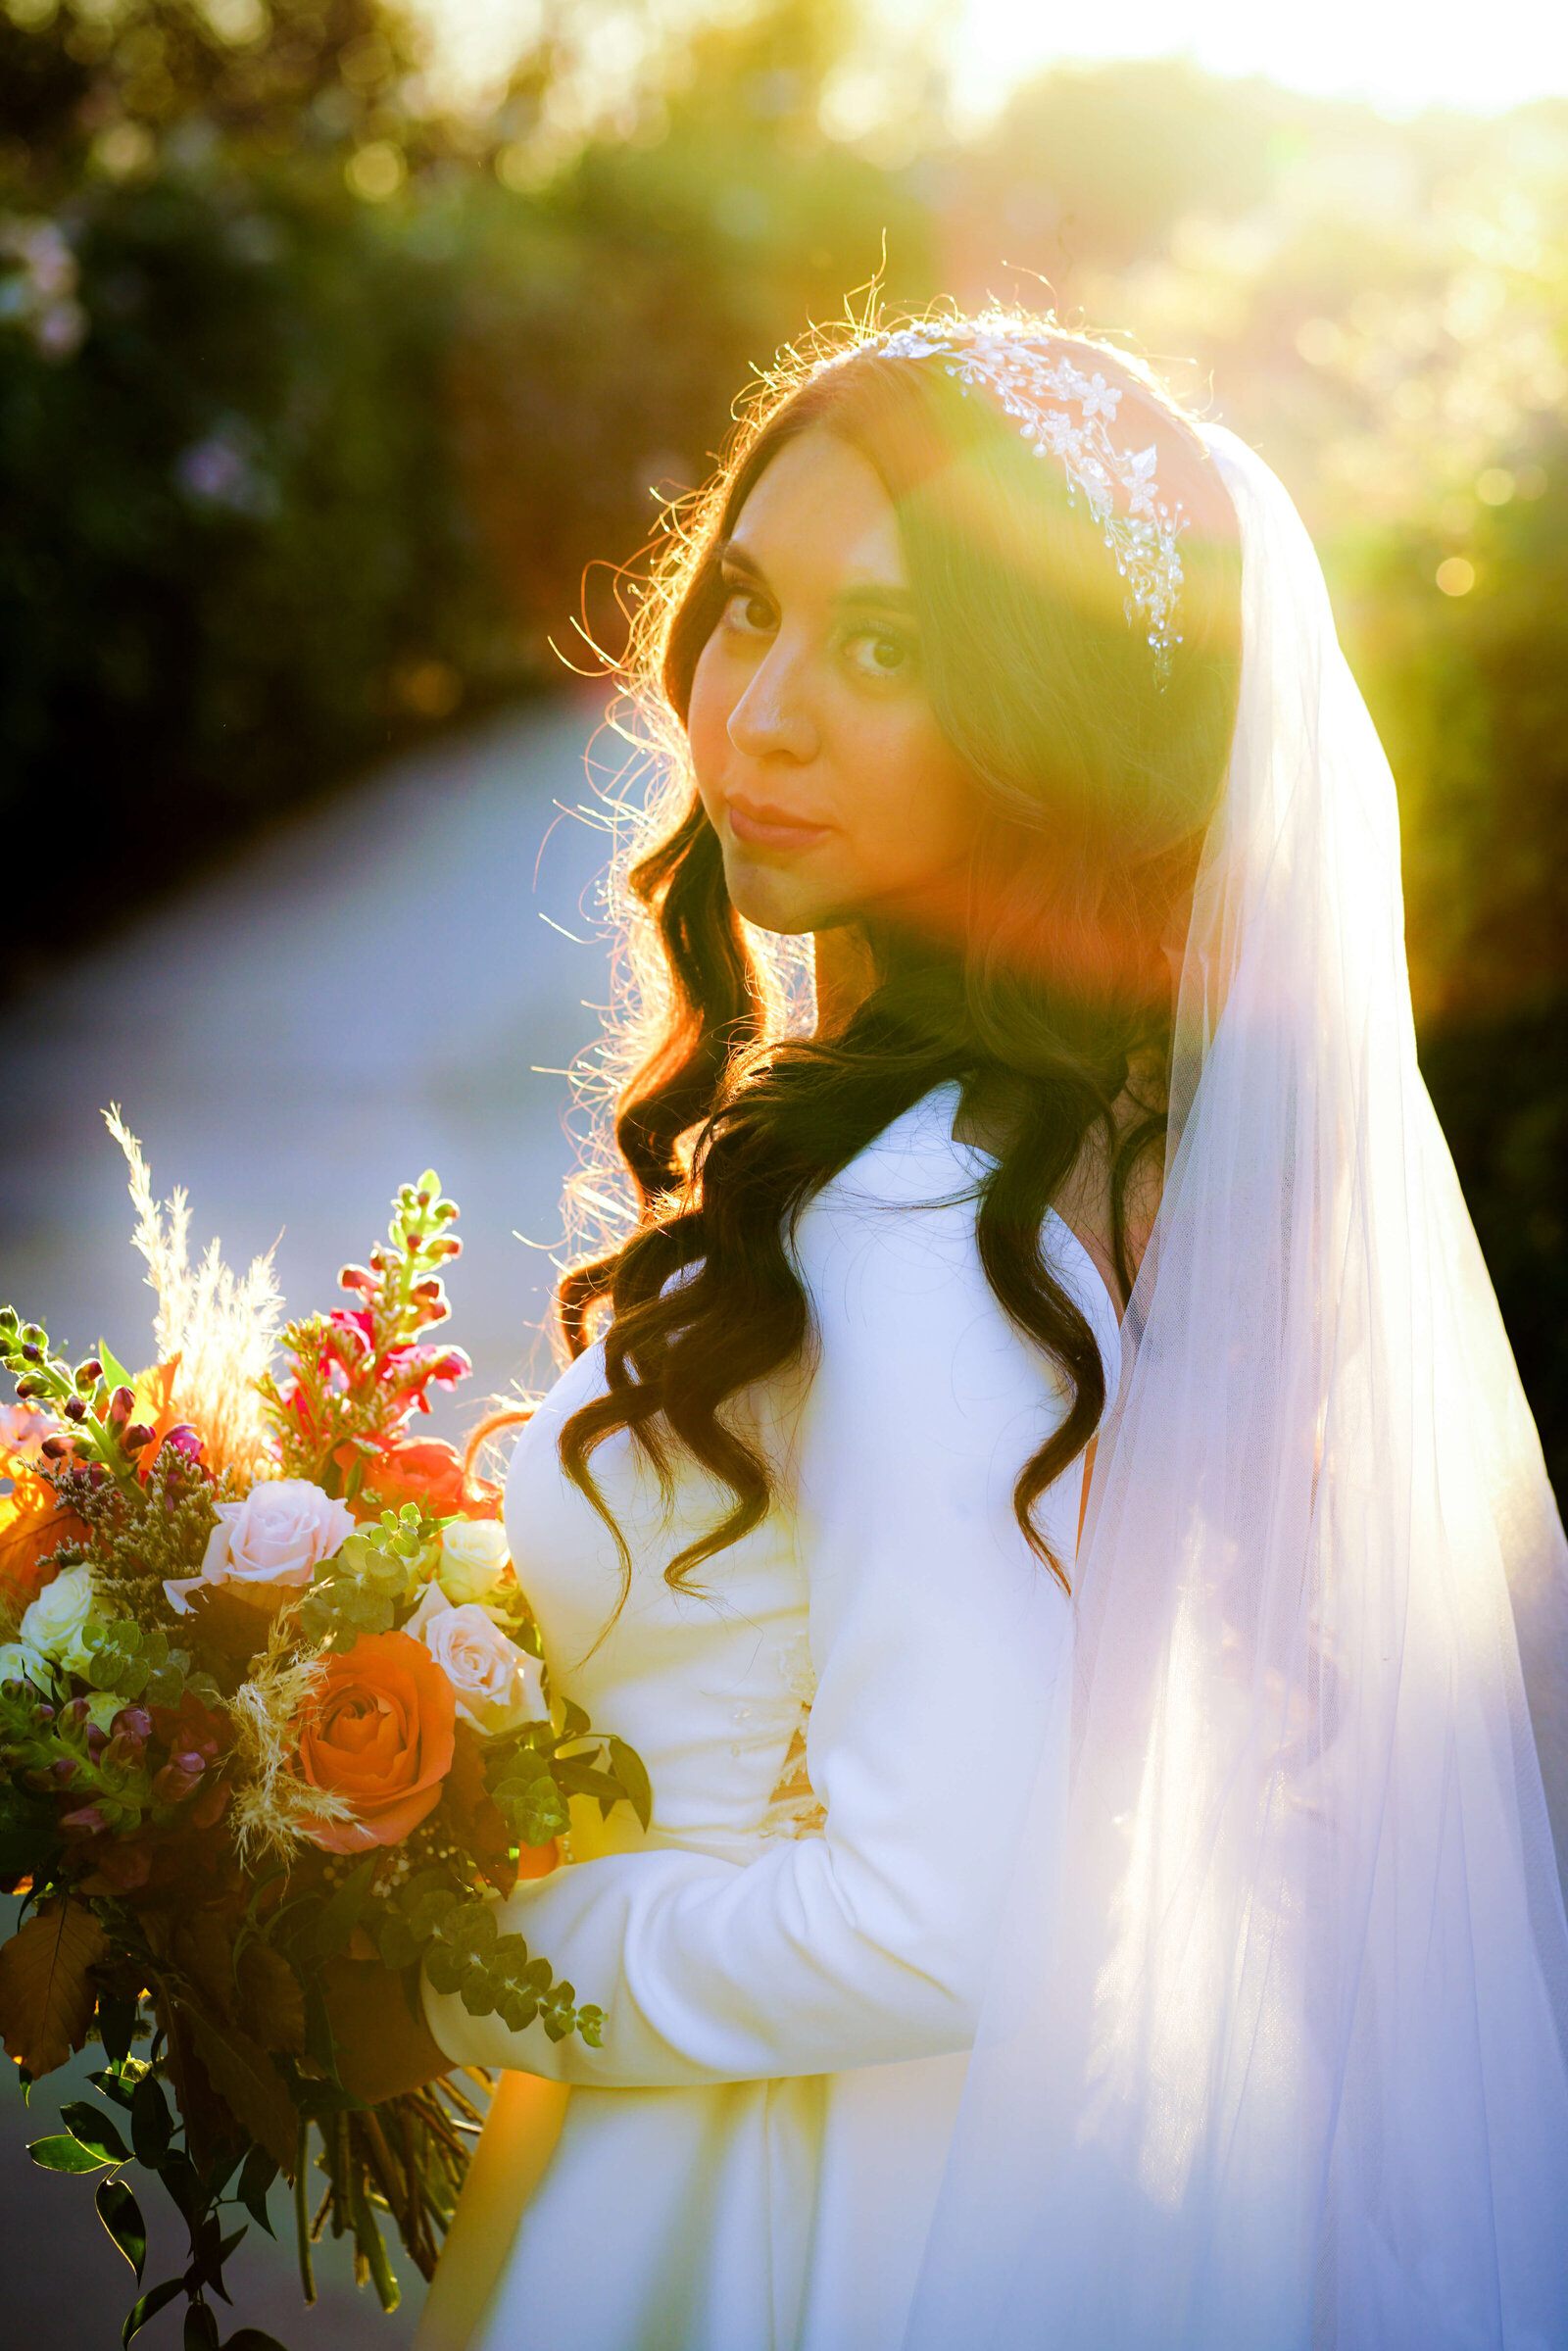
(1339, 48)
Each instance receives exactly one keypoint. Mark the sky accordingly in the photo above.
(1396, 55)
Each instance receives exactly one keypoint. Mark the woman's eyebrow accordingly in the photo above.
(868, 596)
(734, 557)
(877, 597)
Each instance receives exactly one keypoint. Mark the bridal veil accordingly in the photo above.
(1273, 2055)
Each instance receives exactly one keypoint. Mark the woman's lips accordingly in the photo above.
(760, 825)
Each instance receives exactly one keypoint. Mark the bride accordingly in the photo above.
(1043, 1485)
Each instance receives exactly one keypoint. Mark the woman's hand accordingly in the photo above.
(381, 2050)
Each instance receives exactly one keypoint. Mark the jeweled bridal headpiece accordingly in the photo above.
(1038, 384)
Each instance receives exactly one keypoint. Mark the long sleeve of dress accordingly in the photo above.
(940, 1642)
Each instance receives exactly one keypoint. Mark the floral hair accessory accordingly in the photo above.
(1039, 385)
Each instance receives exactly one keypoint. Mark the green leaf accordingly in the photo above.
(150, 2121)
(184, 2182)
(92, 2127)
(581, 1779)
(256, 2177)
(331, 1930)
(398, 1944)
(576, 1722)
(30, 1834)
(120, 2215)
(201, 2327)
(632, 1773)
(151, 2303)
(110, 2085)
(117, 2023)
(114, 1373)
(65, 2153)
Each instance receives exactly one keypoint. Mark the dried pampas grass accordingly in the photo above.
(273, 1808)
(222, 1328)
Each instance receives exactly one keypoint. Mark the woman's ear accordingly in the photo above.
(845, 976)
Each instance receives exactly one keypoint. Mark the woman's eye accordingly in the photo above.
(747, 611)
(876, 654)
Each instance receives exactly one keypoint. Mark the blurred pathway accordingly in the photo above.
(367, 991)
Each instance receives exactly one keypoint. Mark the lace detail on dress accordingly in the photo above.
(793, 1809)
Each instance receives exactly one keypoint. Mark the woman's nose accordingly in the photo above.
(773, 718)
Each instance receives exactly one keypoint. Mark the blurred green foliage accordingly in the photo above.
(326, 408)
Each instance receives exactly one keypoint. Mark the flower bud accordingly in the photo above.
(132, 1722)
(87, 1375)
(74, 1408)
(85, 1823)
(78, 1712)
(34, 1334)
(136, 1435)
(57, 1448)
(121, 1407)
(172, 1784)
(8, 1320)
(64, 1769)
(27, 1390)
(356, 1277)
(31, 1354)
(97, 1741)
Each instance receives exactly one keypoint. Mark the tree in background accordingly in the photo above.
(319, 404)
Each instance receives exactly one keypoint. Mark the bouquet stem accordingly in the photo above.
(302, 2212)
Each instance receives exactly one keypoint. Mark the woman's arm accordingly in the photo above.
(940, 1642)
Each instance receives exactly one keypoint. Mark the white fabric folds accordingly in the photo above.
(1273, 2055)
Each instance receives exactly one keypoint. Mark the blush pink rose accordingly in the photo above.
(269, 1544)
(497, 1684)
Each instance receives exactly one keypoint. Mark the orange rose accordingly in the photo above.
(378, 1729)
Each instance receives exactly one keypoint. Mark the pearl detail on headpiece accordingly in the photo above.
(1030, 384)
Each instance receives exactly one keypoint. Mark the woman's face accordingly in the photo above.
(820, 765)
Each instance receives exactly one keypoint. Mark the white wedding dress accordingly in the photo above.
(750, 2161)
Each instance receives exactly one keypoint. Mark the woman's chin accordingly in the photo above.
(771, 900)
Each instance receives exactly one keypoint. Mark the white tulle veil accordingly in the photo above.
(1274, 2051)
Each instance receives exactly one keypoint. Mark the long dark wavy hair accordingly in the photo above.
(1050, 1006)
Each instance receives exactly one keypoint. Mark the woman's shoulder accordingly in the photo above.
(898, 1223)
(917, 1162)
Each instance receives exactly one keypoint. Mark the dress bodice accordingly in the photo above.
(790, 1994)
(712, 1685)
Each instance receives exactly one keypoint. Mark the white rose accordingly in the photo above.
(20, 1663)
(278, 1536)
(498, 1686)
(474, 1558)
(52, 1625)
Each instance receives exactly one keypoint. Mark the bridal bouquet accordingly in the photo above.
(270, 1696)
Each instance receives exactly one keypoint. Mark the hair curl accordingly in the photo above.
(1095, 786)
